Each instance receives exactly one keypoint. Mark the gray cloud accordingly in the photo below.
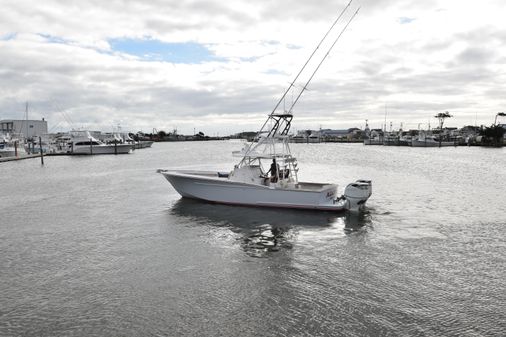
(416, 77)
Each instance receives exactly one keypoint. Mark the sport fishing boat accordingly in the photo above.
(82, 142)
(250, 184)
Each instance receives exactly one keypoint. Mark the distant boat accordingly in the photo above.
(142, 144)
(35, 146)
(81, 142)
(11, 146)
(137, 144)
(428, 140)
(391, 139)
(374, 139)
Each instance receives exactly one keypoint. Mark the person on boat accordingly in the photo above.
(274, 171)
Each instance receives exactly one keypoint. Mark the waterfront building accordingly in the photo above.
(27, 128)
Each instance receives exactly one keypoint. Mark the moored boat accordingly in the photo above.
(11, 146)
(428, 140)
(81, 142)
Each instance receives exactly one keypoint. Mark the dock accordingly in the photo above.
(28, 156)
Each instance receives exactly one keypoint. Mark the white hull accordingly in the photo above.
(102, 149)
(143, 144)
(373, 142)
(209, 186)
(4, 153)
(429, 143)
(10, 151)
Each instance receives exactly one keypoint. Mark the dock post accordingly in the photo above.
(115, 146)
(16, 148)
(41, 154)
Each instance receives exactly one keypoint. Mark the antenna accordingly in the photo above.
(385, 124)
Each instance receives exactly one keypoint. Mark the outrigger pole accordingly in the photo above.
(285, 130)
(310, 57)
(283, 121)
(323, 59)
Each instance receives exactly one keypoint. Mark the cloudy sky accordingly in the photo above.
(221, 66)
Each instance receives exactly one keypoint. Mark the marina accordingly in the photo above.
(151, 208)
(101, 245)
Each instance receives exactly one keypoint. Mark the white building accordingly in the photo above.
(28, 128)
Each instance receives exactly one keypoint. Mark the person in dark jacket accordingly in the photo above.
(274, 171)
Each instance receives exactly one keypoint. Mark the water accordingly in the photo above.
(103, 246)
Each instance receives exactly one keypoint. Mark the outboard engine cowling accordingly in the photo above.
(357, 194)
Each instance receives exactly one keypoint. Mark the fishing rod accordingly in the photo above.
(310, 57)
(323, 59)
(303, 67)
(279, 122)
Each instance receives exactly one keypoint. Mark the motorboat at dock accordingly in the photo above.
(425, 139)
(81, 142)
(11, 146)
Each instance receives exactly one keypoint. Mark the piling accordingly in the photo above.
(41, 154)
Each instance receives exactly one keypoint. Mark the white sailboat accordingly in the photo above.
(249, 183)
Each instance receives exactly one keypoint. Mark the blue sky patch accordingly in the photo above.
(405, 20)
(53, 39)
(7, 37)
(156, 50)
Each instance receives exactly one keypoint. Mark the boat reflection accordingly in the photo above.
(265, 230)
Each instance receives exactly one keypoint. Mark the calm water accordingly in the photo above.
(103, 246)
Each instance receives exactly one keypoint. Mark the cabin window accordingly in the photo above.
(86, 143)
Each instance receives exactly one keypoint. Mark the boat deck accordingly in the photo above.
(301, 186)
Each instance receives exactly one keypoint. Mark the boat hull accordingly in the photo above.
(103, 149)
(205, 186)
(4, 153)
(429, 143)
(142, 144)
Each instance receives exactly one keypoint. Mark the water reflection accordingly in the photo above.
(262, 231)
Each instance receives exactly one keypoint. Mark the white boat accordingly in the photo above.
(373, 138)
(142, 144)
(35, 145)
(137, 144)
(11, 146)
(250, 184)
(428, 140)
(81, 142)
